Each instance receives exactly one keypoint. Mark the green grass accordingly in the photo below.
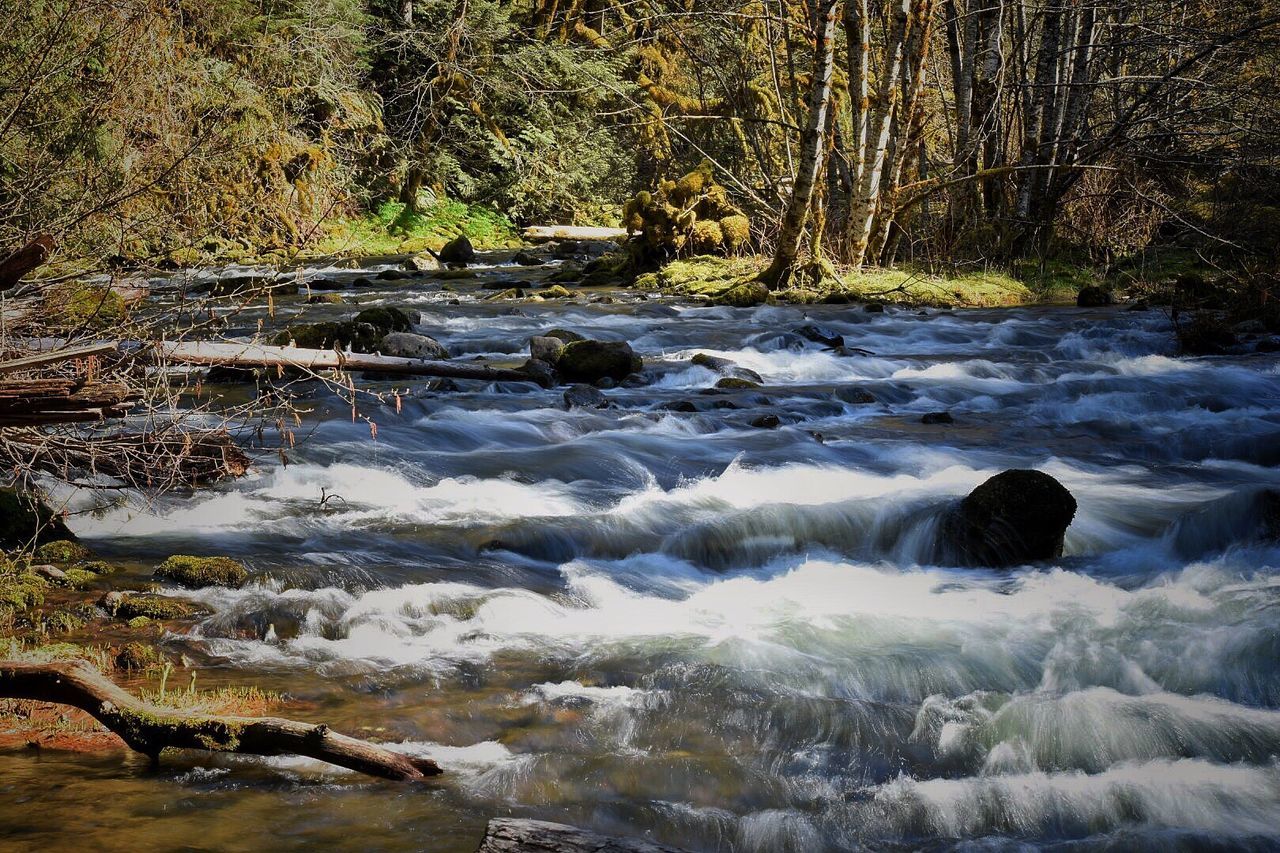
(392, 229)
(706, 276)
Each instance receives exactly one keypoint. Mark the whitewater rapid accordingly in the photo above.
(670, 622)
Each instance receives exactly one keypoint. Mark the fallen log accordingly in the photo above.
(41, 359)
(545, 233)
(150, 729)
(514, 835)
(23, 261)
(263, 355)
(34, 402)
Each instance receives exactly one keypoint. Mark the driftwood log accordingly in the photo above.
(513, 835)
(149, 729)
(23, 261)
(35, 402)
(263, 355)
(544, 233)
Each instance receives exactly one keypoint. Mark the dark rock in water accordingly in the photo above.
(1093, 297)
(362, 282)
(324, 299)
(605, 382)
(360, 337)
(546, 348)
(458, 251)
(678, 406)
(874, 307)
(850, 352)
(1139, 305)
(817, 436)
(819, 335)
(774, 341)
(409, 345)
(725, 367)
(1017, 516)
(736, 383)
(938, 418)
(326, 284)
(837, 297)
(584, 397)
(1267, 345)
(540, 372)
(526, 258)
(24, 518)
(443, 386)
(766, 422)
(855, 396)
(564, 334)
(567, 249)
(392, 275)
(745, 295)
(386, 319)
(515, 835)
(1244, 518)
(589, 361)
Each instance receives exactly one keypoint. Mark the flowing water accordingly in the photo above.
(668, 623)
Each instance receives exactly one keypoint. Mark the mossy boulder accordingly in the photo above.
(324, 299)
(1018, 516)
(78, 578)
(386, 319)
(691, 215)
(136, 657)
(565, 335)
(590, 361)
(20, 590)
(1093, 297)
(736, 383)
(557, 291)
(199, 572)
(742, 295)
(25, 518)
(458, 251)
(76, 304)
(62, 551)
(152, 607)
(360, 337)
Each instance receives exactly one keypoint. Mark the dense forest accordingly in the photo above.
(649, 426)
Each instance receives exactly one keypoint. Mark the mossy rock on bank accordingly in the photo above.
(137, 657)
(62, 551)
(20, 590)
(79, 304)
(25, 518)
(128, 607)
(591, 361)
(199, 572)
(743, 295)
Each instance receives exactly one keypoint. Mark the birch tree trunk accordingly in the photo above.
(811, 146)
(862, 215)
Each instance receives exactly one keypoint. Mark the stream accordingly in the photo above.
(658, 620)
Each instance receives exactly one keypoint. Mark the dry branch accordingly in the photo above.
(149, 729)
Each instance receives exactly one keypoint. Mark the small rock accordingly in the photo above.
(584, 397)
(422, 263)
(874, 307)
(854, 396)
(443, 386)
(679, 406)
(324, 299)
(564, 334)
(392, 275)
(411, 345)
(819, 335)
(766, 422)
(546, 348)
(50, 573)
(540, 372)
(937, 418)
(736, 383)
(526, 258)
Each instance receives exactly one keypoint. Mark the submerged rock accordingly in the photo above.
(525, 258)
(591, 361)
(766, 422)
(584, 397)
(1244, 518)
(540, 372)
(725, 367)
(410, 345)
(1017, 516)
(819, 335)
(937, 418)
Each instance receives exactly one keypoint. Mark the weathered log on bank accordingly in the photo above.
(150, 460)
(263, 355)
(24, 260)
(545, 233)
(149, 729)
(34, 402)
(513, 835)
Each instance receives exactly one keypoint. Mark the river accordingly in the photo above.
(668, 623)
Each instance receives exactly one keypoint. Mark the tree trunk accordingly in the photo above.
(811, 146)
(150, 729)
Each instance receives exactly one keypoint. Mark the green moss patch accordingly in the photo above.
(62, 551)
(199, 572)
(153, 607)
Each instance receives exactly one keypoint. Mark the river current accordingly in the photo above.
(667, 623)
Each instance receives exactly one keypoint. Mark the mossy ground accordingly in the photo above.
(197, 572)
(712, 277)
(392, 230)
